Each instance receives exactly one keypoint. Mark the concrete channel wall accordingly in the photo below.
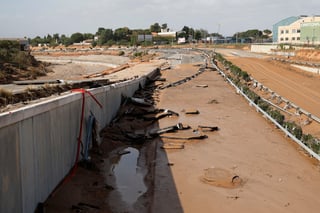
(39, 142)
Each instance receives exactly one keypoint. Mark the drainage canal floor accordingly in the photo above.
(195, 146)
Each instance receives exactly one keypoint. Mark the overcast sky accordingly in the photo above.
(19, 18)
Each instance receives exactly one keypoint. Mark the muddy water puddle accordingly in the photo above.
(125, 174)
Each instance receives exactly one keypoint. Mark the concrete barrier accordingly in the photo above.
(39, 142)
(263, 48)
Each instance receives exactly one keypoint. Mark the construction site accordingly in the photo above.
(185, 129)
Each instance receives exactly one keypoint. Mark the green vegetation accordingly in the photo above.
(16, 64)
(126, 36)
(255, 35)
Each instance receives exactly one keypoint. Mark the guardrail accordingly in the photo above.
(301, 144)
(311, 116)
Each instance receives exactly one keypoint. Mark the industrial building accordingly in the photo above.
(297, 30)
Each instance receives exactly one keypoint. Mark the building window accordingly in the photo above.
(281, 32)
(293, 38)
(281, 39)
(287, 39)
(298, 38)
(294, 31)
(298, 31)
(287, 31)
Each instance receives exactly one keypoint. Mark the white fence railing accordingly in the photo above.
(301, 144)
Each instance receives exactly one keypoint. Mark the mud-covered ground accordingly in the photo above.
(220, 156)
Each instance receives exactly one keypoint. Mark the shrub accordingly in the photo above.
(275, 114)
(316, 147)
(245, 76)
(121, 53)
(263, 105)
(294, 129)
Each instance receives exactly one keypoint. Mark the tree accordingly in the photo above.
(266, 31)
(249, 34)
(56, 38)
(155, 28)
(36, 41)
(100, 30)
(204, 33)
(216, 35)
(198, 35)
(105, 35)
(76, 37)
(122, 34)
(186, 29)
(164, 26)
(65, 40)
(87, 36)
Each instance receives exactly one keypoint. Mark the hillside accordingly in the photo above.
(18, 65)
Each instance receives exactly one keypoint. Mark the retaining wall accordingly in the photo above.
(263, 48)
(39, 142)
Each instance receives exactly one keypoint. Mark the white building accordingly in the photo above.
(294, 30)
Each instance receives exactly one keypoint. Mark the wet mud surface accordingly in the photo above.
(191, 147)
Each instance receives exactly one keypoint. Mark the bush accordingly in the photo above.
(121, 53)
(315, 147)
(245, 76)
(252, 95)
(275, 114)
(263, 105)
(294, 129)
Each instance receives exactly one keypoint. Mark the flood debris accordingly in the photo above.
(108, 71)
(208, 128)
(165, 67)
(233, 197)
(179, 126)
(213, 101)
(140, 101)
(198, 137)
(202, 85)
(124, 152)
(108, 187)
(158, 114)
(184, 80)
(191, 111)
(172, 146)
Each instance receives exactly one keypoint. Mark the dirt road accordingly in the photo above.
(300, 87)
